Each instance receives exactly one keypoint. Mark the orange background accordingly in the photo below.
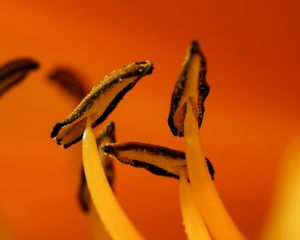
(252, 112)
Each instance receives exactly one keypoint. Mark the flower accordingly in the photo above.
(252, 113)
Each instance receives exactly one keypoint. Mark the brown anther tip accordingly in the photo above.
(108, 149)
(211, 168)
(55, 129)
(108, 132)
(150, 69)
(194, 47)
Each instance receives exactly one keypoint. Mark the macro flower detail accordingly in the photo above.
(246, 125)
(187, 109)
(204, 215)
(14, 71)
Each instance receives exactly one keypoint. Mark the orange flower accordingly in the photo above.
(253, 107)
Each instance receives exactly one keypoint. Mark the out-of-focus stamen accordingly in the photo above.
(15, 71)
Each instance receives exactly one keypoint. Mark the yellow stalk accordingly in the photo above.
(110, 212)
(195, 227)
(98, 228)
(217, 219)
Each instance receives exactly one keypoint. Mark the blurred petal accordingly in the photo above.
(4, 232)
(284, 220)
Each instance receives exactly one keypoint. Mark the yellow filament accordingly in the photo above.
(98, 229)
(194, 224)
(217, 219)
(110, 212)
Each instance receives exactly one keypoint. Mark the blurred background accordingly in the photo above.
(252, 112)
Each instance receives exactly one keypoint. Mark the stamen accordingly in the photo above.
(192, 84)
(186, 113)
(100, 102)
(156, 159)
(15, 71)
(70, 81)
